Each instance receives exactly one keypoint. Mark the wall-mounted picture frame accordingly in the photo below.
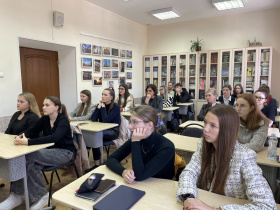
(106, 74)
(106, 63)
(86, 62)
(97, 81)
(97, 65)
(128, 54)
(122, 80)
(96, 50)
(129, 85)
(128, 75)
(106, 51)
(111, 83)
(115, 52)
(122, 53)
(115, 63)
(86, 49)
(128, 64)
(86, 75)
(122, 66)
(115, 74)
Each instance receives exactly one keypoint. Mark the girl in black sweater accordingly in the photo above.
(152, 154)
(56, 129)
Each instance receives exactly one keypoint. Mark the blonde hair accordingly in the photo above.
(33, 106)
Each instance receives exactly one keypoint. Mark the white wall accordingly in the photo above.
(222, 33)
(32, 19)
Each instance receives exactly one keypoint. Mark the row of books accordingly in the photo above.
(214, 57)
(203, 58)
(251, 71)
(251, 56)
(173, 60)
(155, 61)
(202, 72)
(225, 71)
(225, 58)
(192, 59)
(237, 70)
(202, 83)
(213, 71)
(182, 72)
(265, 55)
(238, 57)
(182, 61)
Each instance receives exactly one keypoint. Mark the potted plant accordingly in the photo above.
(196, 45)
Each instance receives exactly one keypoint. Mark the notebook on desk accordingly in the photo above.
(122, 198)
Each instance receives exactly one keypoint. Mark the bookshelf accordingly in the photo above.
(182, 69)
(147, 75)
(251, 73)
(265, 65)
(202, 75)
(238, 68)
(192, 66)
(155, 70)
(164, 79)
(225, 68)
(173, 69)
(214, 66)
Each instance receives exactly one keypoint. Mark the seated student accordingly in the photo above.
(152, 154)
(211, 96)
(261, 98)
(181, 94)
(167, 100)
(125, 99)
(56, 129)
(27, 115)
(271, 102)
(238, 89)
(83, 110)
(107, 111)
(253, 124)
(226, 98)
(152, 99)
(170, 90)
(224, 166)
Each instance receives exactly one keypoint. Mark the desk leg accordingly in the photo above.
(26, 193)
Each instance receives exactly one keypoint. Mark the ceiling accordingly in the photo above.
(138, 10)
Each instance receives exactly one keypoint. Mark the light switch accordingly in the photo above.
(1, 74)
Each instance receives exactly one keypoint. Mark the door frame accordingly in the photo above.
(67, 68)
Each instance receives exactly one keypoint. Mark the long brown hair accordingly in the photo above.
(126, 94)
(33, 106)
(57, 102)
(234, 91)
(255, 116)
(112, 93)
(87, 104)
(218, 160)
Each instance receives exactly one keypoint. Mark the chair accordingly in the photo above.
(54, 168)
(191, 131)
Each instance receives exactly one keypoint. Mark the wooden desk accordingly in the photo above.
(93, 133)
(126, 114)
(12, 160)
(160, 193)
(168, 111)
(183, 108)
(191, 121)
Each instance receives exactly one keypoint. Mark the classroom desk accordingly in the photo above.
(168, 111)
(191, 121)
(12, 160)
(126, 114)
(160, 193)
(183, 108)
(93, 133)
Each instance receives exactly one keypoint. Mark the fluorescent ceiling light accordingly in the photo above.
(227, 4)
(166, 13)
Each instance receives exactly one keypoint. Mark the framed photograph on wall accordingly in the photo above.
(87, 75)
(129, 85)
(86, 62)
(115, 52)
(122, 64)
(122, 80)
(96, 50)
(97, 63)
(115, 63)
(128, 64)
(106, 74)
(106, 51)
(106, 63)
(122, 53)
(111, 83)
(97, 81)
(115, 74)
(128, 54)
(86, 49)
(128, 75)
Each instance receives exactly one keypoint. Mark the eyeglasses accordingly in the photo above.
(259, 98)
(242, 106)
(133, 123)
(121, 88)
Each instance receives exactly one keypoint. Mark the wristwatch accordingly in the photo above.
(186, 196)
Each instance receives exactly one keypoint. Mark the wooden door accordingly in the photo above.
(39, 73)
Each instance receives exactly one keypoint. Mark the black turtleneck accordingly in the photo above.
(151, 157)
